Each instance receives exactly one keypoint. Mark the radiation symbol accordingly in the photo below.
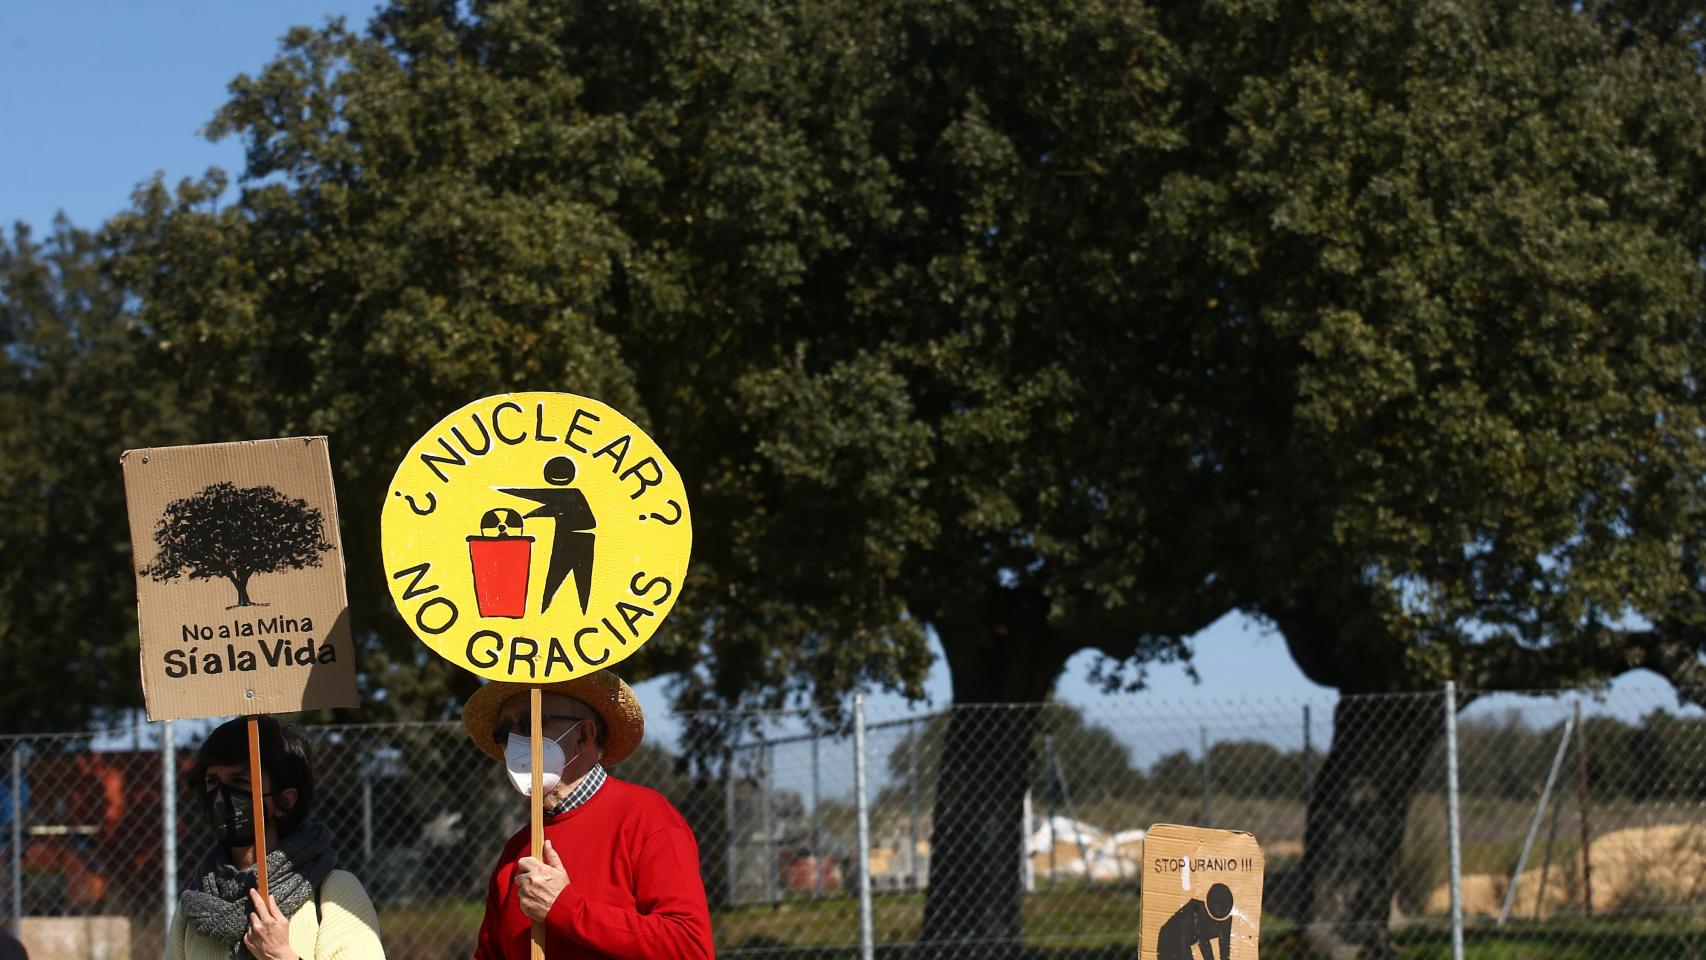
(500, 523)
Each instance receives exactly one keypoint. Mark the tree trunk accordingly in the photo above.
(1357, 818)
(975, 902)
(242, 584)
(974, 906)
(706, 813)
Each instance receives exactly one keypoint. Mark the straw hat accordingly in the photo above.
(604, 692)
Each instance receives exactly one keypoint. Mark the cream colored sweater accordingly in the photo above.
(344, 928)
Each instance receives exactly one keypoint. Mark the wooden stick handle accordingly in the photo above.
(256, 788)
(536, 801)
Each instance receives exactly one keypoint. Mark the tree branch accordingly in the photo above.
(1594, 654)
(1130, 629)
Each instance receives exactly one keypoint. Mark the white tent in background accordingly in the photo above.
(1060, 846)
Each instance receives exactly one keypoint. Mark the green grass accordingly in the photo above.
(1070, 923)
(1092, 924)
(1567, 940)
(432, 930)
(1070, 916)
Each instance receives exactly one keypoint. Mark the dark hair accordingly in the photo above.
(286, 758)
(600, 732)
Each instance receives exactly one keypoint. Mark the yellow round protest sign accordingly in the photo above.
(535, 537)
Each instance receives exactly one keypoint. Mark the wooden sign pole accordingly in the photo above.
(256, 789)
(537, 802)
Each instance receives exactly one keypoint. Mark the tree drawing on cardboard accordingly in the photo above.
(236, 532)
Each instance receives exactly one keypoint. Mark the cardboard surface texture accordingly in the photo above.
(1202, 894)
(239, 579)
(535, 537)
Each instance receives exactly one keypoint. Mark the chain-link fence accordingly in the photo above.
(997, 831)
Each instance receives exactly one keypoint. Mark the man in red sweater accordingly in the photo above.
(620, 873)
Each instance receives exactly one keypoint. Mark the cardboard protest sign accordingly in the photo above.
(1202, 894)
(535, 537)
(239, 579)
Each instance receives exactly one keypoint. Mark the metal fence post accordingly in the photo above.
(730, 854)
(366, 817)
(18, 838)
(767, 811)
(866, 946)
(168, 826)
(1534, 826)
(1454, 827)
(1207, 782)
(1308, 758)
(1048, 811)
(1066, 798)
(1546, 863)
(1027, 869)
(912, 805)
(1582, 810)
(817, 823)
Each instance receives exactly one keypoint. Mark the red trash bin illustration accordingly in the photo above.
(501, 556)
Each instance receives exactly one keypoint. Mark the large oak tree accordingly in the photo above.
(1471, 237)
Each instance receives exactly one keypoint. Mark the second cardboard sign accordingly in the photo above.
(1202, 894)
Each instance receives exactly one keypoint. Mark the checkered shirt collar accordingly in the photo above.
(582, 792)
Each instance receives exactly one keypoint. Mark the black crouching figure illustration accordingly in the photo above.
(1197, 923)
(571, 541)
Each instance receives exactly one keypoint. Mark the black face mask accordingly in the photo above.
(229, 813)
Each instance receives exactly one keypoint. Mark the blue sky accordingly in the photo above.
(97, 96)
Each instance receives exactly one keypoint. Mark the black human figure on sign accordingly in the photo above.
(1197, 923)
(571, 545)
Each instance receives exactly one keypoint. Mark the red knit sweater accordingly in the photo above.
(634, 889)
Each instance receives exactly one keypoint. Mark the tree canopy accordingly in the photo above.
(77, 385)
(1083, 328)
(843, 296)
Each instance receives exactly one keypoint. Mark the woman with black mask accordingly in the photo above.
(314, 911)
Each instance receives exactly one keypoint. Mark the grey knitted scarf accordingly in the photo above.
(217, 901)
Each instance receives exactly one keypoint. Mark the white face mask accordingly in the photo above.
(518, 762)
